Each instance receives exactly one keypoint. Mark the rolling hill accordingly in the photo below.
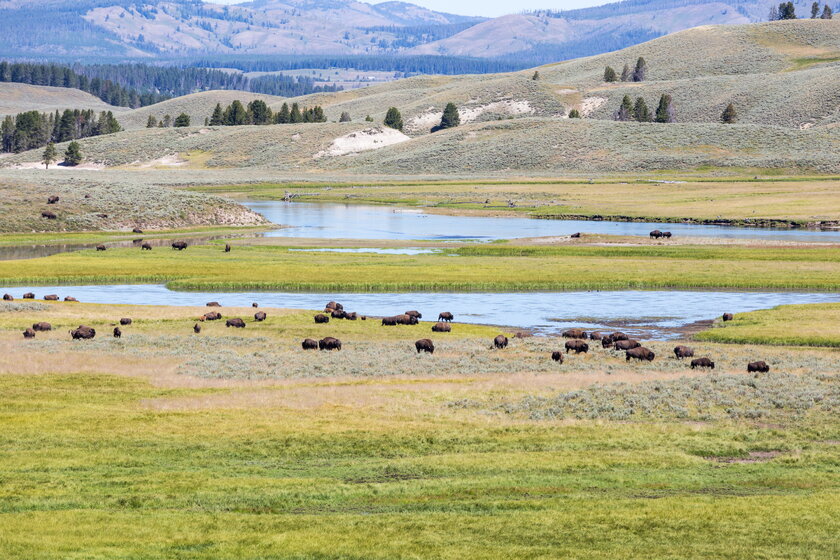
(17, 98)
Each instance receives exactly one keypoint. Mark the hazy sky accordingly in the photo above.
(484, 7)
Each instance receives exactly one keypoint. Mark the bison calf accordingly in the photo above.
(196, 328)
(117, 332)
(146, 247)
(758, 367)
(557, 357)
(425, 345)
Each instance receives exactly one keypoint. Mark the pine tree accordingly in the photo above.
(235, 115)
(49, 155)
(665, 110)
(787, 11)
(624, 112)
(625, 74)
(574, 114)
(345, 117)
(640, 111)
(295, 116)
(610, 75)
(640, 71)
(73, 155)
(393, 119)
(7, 131)
(283, 117)
(259, 112)
(815, 10)
(451, 118)
(536, 75)
(167, 121)
(827, 12)
(368, 119)
(318, 115)
(729, 115)
(217, 118)
(182, 120)
(152, 122)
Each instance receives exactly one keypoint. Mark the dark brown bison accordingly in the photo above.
(702, 363)
(125, 321)
(338, 314)
(29, 333)
(8, 297)
(728, 317)
(146, 247)
(624, 345)
(667, 234)
(415, 314)
(406, 320)
(575, 235)
(179, 245)
(500, 342)
(213, 304)
(321, 319)
(48, 215)
(596, 336)
(640, 353)
(446, 316)
(227, 247)
(389, 321)
(137, 230)
(334, 305)
(616, 336)
(607, 341)
(442, 327)
(425, 345)
(28, 295)
(260, 316)
(42, 327)
(70, 298)
(255, 305)
(329, 343)
(53, 199)
(51, 297)
(196, 328)
(575, 333)
(103, 216)
(351, 316)
(236, 323)
(577, 346)
(758, 367)
(683, 352)
(117, 332)
(557, 357)
(309, 344)
(656, 234)
(101, 248)
(212, 316)
(83, 333)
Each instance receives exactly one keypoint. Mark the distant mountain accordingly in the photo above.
(137, 29)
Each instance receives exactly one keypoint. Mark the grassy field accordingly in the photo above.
(803, 325)
(495, 268)
(121, 449)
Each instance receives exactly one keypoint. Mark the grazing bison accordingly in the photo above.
(83, 333)
(101, 248)
(446, 316)
(338, 314)
(212, 316)
(607, 341)
(616, 336)
(640, 353)
(117, 332)
(415, 314)
(213, 304)
(8, 297)
(51, 297)
(425, 345)
(728, 317)
(137, 230)
(557, 357)
(656, 234)
(227, 247)
(53, 199)
(624, 345)
(577, 346)
(500, 342)
(321, 319)
(309, 344)
(29, 333)
(683, 352)
(125, 321)
(42, 327)
(389, 321)
(575, 333)
(70, 298)
(146, 247)
(351, 316)
(235, 323)
(442, 327)
(196, 328)
(329, 343)
(596, 336)
(260, 316)
(48, 215)
(405, 320)
(28, 295)
(667, 234)
(334, 305)
(702, 363)
(758, 367)
(179, 245)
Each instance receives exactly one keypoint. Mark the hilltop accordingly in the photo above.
(18, 98)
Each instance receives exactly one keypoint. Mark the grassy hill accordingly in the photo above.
(18, 98)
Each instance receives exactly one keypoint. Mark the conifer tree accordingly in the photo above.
(787, 10)
(73, 154)
(729, 115)
(640, 71)
(217, 118)
(625, 74)
(295, 116)
(625, 112)
(536, 75)
(393, 119)
(815, 10)
(345, 117)
(259, 112)
(640, 111)
(610, 75)
(235, 114)
(151, 122)
(167, 121)
(451, 118)
(318, 115)
(283, 117)
(182, 120)
(49, 155)
(665, 110)
(574, 114)
(827, 12)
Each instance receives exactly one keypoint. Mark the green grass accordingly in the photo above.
(799, 325)
(484, 268)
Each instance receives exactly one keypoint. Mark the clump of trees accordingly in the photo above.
(182, 120)
(73, 154)
(637, 74)
(640, 112)
(574, 114)
(32, 130)
(787, 10)
(259, 113)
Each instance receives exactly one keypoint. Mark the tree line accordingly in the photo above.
(258, 112)
(637, 74)
(640, 112)
(787, 10)
(30, 130)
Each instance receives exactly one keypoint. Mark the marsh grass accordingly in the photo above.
(792, 325)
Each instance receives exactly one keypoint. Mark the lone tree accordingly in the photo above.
(73, 155)
(393, 119)
(345, 117)
(640, 111)
(609, 74)
(665, 110)
(625, 73)
(574, 114)
(152, 122)
(625, 112)
(640, 71)
(49, 156)
(729, 115)
(451, 118)
(827, 12)
(815, 10)
(536, 75)
(182, 120)
(787, 10)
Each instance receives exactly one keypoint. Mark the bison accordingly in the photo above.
(137, 230)
(338, 314)
(683, 352)
(42, 327)
(101, 248)
(442, 327)
(212, 316)
(425, 345)
(446, 316)
(500, 342)
(616, 336)
(575, 235)
(334, 305)
(389, 321)
(351, 316)
(196, 328)
(702, 363)
(656, 234)
(557, 357)
(577, 346)
(83, 333)
(179, 245)
(640, 353)
(48, 215)
(8, 297)
(329, 344)
(728, 317)
(415, 314)
(146, 247)
(260, 316)
(575, 333)
(758, 367)
(596, 336)
(29, 333)
(51, 297)
(213, 304)
(255, 305)
(70, 299)
(53, 199)
(235, 323)
(309, 344)
(624, 345)
(28, 295)
(227, 247)
(321, 319)
(667, 234)
(406, 320)
(117, 332)
(607, 341)
(125, 321)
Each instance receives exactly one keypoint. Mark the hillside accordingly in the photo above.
(17, 98)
